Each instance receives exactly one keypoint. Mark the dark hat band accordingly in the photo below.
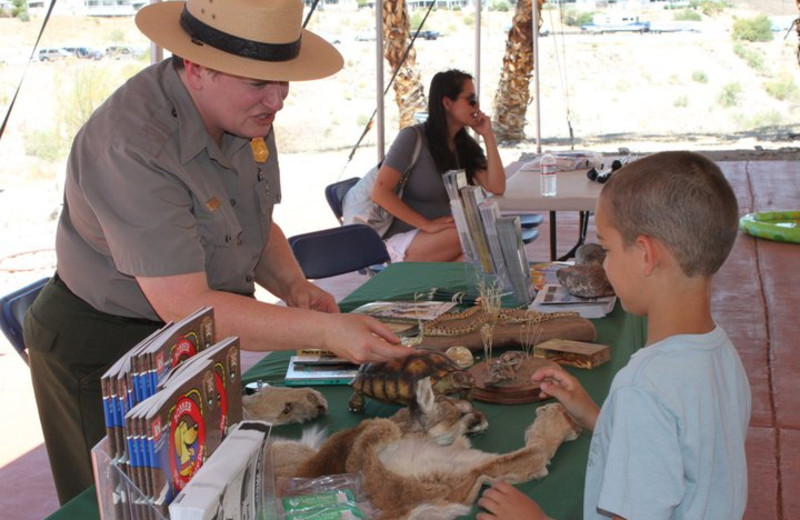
(203, 34)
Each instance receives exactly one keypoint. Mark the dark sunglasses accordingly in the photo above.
(472, 100)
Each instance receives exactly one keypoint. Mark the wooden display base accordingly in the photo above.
(506, 335)
(517, 391)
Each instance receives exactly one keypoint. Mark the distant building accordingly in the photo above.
(412, 4)
(592, 5)
(112, 7)
(88, 7)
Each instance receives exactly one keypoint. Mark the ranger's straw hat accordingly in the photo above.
(259, 39)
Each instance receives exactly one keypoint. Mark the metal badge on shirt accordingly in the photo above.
(260, 156)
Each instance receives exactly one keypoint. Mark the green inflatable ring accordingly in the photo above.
(781, 226)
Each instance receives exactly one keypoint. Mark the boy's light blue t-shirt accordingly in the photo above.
(669, 440)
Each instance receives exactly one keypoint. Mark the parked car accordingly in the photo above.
(53, 54)
(85, 53)
(123, 51)
(782, 23)
(429, 35)
(365, 36)
(640, 27)
(616, 23)
(667, 27)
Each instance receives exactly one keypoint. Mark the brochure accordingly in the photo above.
(406, 311)
(301, 372)
(556, 298)
(544, 273)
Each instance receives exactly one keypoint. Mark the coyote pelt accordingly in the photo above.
(279, 405)
(404, 474)
(439, 418)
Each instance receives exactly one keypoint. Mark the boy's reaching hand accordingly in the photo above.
(556, 382)
(503, 501)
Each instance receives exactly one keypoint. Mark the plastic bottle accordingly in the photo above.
(548, 176)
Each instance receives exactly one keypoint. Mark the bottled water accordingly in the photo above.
(548, 176)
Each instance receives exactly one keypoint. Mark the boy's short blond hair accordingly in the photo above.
(680, 198)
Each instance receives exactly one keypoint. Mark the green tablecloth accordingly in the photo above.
(560, 493)
(405, 280)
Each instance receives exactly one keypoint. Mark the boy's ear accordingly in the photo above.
(650, 253)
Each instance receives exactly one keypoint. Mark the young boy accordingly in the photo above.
(669, 440)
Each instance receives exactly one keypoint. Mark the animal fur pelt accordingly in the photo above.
(409, 475)
(439, 418)
(279, 405)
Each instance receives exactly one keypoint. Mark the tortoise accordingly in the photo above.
(394, 381)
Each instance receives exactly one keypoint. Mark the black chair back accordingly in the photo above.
(12, 313)
(335, 193)
(340, 250)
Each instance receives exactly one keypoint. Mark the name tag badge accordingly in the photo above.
(212, 204)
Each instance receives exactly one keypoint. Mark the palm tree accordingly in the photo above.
(408, 90)
(513, 94)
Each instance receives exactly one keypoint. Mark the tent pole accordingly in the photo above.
(535, 17)
(156, 52)
(379, 76)
(478, 49)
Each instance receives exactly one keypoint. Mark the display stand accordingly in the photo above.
(518, 390)
(118, 498)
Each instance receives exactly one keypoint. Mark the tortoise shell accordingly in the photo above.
(394, 381)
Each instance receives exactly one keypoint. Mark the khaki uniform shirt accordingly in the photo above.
(149, 193)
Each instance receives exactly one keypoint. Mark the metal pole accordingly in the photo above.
(379, 76)
(536, 69)
(156, 52)
(478, 49)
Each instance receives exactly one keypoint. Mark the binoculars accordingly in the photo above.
(603, 175)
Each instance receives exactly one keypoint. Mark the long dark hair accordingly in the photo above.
(469, 154)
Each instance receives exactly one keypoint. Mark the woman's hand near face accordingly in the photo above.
(481, 123)
(493, 178)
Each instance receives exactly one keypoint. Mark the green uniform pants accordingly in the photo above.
(70, 346)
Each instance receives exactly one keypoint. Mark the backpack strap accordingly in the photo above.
(414, 157)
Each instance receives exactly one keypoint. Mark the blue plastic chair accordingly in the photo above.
(335, 251)
(334, 193)
(12, 313)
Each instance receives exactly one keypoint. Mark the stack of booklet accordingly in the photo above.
(319, 368)
(556, 298)
(168, 403)
(551, 296)
(488, 239)
(316, 367)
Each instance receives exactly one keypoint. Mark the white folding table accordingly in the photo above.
(575, 192)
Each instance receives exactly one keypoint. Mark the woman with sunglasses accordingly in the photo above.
(423, 229)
